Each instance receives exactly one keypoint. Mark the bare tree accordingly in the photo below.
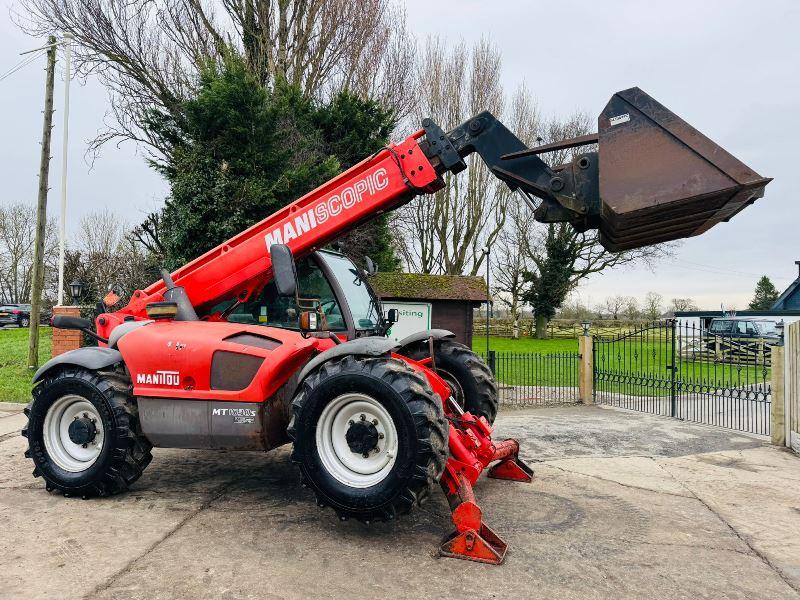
(613, 306)
(17, 232)
(574, 309)
(631, 309)
(510, 253)
(148, 53)
(148, 234)
(104, 255)
(446, 232)
(682, 305)
(653, 305)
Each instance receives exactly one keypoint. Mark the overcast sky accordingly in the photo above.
(729, 68)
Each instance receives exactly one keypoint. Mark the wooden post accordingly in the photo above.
(37, 276)
(778, 436)
(586, 369)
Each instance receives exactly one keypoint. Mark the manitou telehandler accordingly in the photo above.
(269, 339)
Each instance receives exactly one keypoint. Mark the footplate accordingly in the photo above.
(480, 546)
(512, 469)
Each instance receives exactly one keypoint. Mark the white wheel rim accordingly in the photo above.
(348, 467)
(60, 448)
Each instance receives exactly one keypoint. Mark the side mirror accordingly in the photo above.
(284, 270)
(372, 268)
(309, 321)
(392, 316)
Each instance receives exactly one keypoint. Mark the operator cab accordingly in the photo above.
(328, 279)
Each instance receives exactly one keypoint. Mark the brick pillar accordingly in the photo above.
(65, 340)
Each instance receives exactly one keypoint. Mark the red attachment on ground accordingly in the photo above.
(471, 451)
(512, 470)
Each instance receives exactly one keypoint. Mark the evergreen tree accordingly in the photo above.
(238, 151)
(765, 295)
(551, 282)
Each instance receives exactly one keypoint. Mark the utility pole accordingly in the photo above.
(41, 210)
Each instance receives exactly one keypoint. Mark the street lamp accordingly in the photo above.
(586, 325)
(76, 291)
(486, 251)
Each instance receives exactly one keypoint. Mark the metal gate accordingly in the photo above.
(683, 371)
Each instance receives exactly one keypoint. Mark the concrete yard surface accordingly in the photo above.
(624, 505)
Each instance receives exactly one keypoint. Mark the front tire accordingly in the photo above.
(83, 433)
(369, 436)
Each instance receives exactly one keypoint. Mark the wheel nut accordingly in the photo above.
(363, 418)
(380, 436)
(365, 455)
(351, 422)
(375, 422)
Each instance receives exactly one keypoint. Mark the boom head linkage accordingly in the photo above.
(653, 178)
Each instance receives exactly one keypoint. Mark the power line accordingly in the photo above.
(20, 65)
(719, 270)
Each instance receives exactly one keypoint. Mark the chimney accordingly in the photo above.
(797, 262)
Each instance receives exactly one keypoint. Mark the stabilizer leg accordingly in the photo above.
(472, 539)
(510, 467)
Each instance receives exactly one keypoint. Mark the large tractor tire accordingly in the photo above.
(369, 436)
(83, 433)
(471, 381)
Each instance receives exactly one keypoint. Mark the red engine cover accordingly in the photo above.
(173, 359)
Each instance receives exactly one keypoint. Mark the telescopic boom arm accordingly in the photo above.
(653, 178)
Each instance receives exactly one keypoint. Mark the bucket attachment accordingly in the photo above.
(654, 178)
(660, 178)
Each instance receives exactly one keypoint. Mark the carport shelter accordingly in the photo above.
(451, 298)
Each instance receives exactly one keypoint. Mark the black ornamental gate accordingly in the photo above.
(684, 371)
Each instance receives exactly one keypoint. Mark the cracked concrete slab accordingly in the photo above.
(623, 505)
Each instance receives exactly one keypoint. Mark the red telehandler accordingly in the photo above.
(268, 339)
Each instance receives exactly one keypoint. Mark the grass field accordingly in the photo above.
(553, 363)
(15, 378)
(523, 345)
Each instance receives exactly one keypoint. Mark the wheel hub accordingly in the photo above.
(362, 437)
(357, 440)
(73, 432)
(82, 430)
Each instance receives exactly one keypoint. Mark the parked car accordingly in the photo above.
(744, 327)
(20, 315)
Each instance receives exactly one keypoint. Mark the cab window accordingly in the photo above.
(275, 311)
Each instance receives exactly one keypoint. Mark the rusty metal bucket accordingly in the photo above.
(660, 179)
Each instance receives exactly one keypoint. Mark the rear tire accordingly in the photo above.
(83, 433)
(339, 413)
(24, 322)
(470, 380)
